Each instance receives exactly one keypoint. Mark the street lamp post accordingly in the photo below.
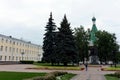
(22, 55)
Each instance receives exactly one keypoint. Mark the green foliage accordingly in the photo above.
(117, 74)
(114, 76)
(67, 76)
(18, 75)
(66, 44)
(26, 62)
(48, 43)
(49, 76)
(81, 38)
(107, 46)
(111, 78)
(56, 67)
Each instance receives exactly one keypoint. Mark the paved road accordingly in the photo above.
(22, 68)
(93, 73)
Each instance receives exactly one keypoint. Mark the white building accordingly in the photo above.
(12, 49)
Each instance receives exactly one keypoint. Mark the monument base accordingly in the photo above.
(94, 60)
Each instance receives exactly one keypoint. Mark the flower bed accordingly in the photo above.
(110, 69)
(49, 76)
(53, 68)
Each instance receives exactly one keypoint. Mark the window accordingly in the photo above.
(13, 58)
(6, 48)
(14, 43)
(0, 58)
(1, 48)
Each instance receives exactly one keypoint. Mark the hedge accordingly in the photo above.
(26, 62)
(116, 74)
(49, 76)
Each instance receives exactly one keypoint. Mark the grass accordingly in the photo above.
(113, 68)
(111, 78)
(26, 75)
(18, 75)
(56, 67)
(67, 76)
(117, 66)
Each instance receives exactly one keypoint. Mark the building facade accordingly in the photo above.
(12, 49)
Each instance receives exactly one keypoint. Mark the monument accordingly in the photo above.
(92, 48)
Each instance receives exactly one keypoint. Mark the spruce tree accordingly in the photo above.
(67, 48)
(48, 43)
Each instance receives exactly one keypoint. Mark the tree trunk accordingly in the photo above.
(58, 63)
(115, 64)
(65, 63)
(52, 63)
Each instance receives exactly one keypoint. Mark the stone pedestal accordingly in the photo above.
(94, 59)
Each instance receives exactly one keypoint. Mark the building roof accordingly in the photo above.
(20, 40)
(93, 31)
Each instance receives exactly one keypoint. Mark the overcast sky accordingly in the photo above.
(26, 19)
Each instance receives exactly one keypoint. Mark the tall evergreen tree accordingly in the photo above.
(48, 43)
(67, 48)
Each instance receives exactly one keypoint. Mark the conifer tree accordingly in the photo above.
(67, 48)
(48, 43)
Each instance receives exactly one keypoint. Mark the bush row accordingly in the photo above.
(49, 76)
(26, 62)
(116, 74)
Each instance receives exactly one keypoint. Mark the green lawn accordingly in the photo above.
(18, 75)
(113, 68)
(111, 78)
(117, 66)
(67, 76)
(56, 67)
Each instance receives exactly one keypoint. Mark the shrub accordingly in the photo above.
(49, 76)
(117, 74)
(40, 62)
(26, 62)
(56, 73)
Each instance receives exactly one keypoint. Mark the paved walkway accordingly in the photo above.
(93, 73)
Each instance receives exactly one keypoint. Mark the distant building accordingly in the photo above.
(12, 49)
